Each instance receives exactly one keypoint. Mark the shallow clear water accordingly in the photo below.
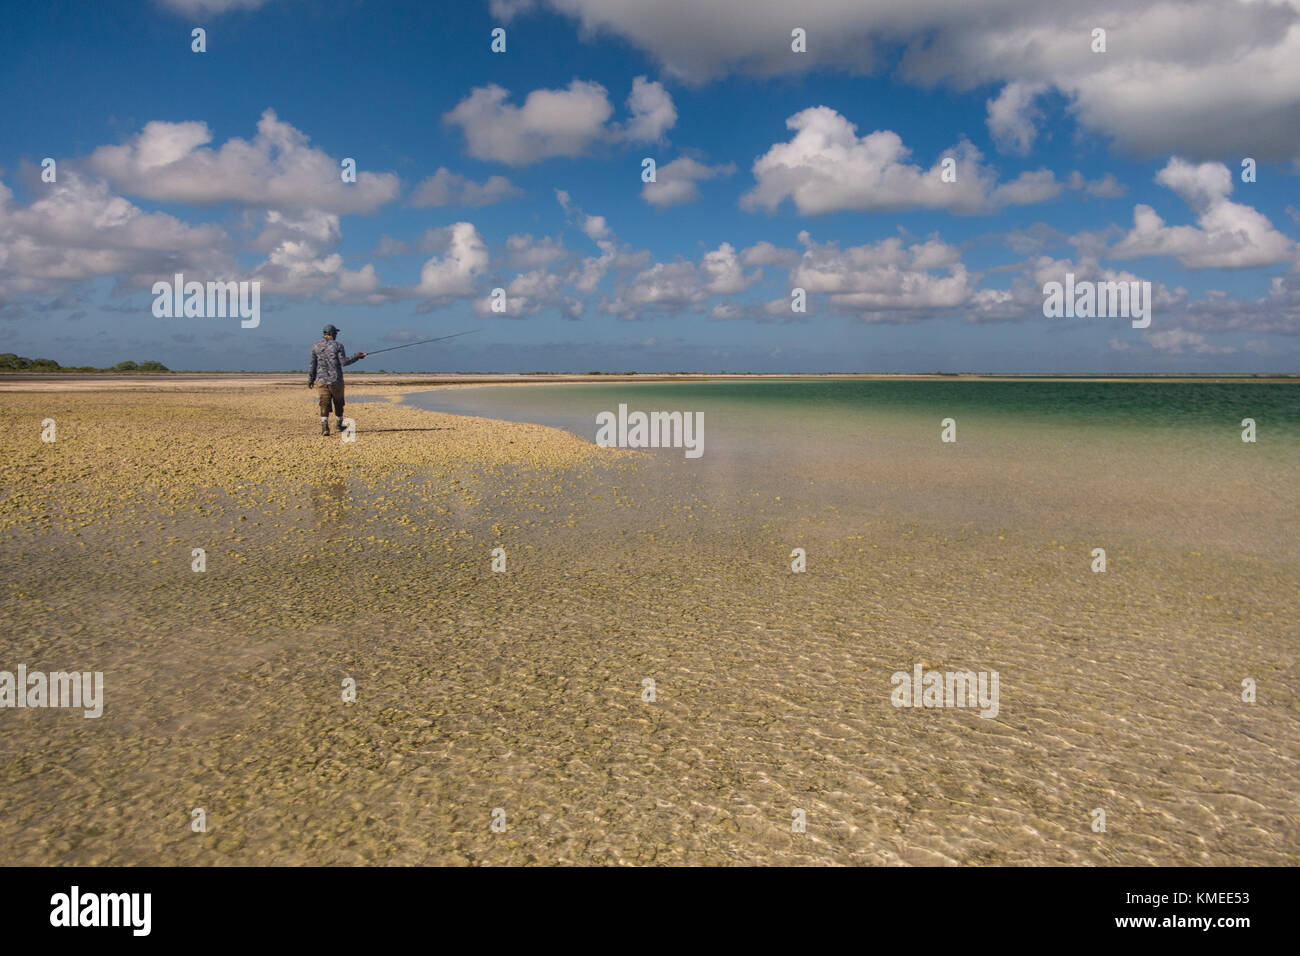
(1160, 461)
(1185, 410)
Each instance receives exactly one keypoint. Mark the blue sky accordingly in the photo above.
(776, 169)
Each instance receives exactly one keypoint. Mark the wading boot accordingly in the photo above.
(325, 428)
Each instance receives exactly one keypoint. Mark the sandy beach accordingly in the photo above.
(524, 691)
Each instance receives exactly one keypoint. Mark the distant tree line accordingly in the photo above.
(20, 363)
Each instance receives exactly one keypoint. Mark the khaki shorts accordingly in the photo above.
(330, 394)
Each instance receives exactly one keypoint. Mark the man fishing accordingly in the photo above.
(327, 361)
(326, 375)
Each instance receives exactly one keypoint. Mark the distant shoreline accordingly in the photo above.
(116, 381)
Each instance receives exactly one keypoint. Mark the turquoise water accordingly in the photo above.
(1190, 410)
(1133, 461)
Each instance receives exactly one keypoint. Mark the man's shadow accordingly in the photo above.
(373, 430)
(329, 502)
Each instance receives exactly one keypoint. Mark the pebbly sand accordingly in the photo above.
(523, 690)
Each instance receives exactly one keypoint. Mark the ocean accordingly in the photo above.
(1155, 460)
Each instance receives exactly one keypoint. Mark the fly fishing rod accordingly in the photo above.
(440, 338)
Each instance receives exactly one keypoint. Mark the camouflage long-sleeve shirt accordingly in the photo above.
(327, 361)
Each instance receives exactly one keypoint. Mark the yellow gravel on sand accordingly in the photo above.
(180, 448)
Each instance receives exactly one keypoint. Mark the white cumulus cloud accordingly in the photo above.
(675, 182)
(652, 109)
(80, 230)
(278, 167)
(565, 122)
(1227, 234)
(827, 167)
(1012, 117)
(445, 188)
(454, 274)
(878, 281)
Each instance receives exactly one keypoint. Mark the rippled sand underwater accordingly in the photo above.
(523, 691)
